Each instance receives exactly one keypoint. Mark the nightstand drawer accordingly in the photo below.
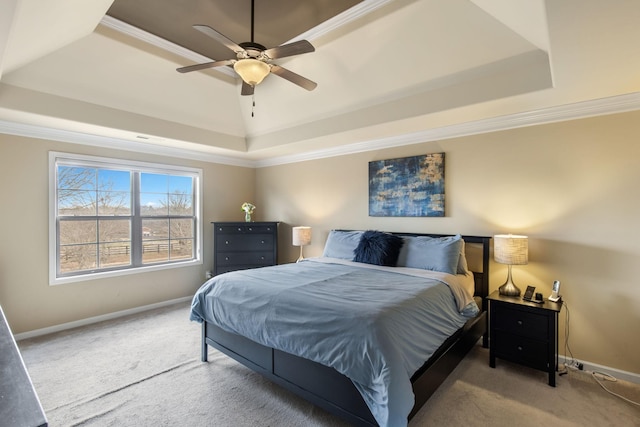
(522, 322)
(522, 350)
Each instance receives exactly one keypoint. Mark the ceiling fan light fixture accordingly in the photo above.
(252, 71)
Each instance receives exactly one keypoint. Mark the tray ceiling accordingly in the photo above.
(104, 71)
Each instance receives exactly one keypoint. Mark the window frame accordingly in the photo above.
(55, 158)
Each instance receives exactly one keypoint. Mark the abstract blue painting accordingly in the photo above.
(409, 186)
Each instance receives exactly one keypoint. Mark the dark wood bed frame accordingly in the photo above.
(334, 392)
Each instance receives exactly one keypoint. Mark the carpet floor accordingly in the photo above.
(144, 370)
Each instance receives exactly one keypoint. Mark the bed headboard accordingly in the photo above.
(473, 244)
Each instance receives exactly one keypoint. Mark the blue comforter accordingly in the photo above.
(373, 324)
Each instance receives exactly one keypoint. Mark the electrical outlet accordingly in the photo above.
(208, 274)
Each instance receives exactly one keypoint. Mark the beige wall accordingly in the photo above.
(25, 295)
(571, 187)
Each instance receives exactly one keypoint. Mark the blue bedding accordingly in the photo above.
(376, 325)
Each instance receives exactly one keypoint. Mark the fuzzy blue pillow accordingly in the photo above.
(376, 247)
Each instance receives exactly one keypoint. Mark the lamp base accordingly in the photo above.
(509, 288)
(300, 258)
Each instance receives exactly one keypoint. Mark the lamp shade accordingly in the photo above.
(252, 71)
(301, 236)
(511, 249)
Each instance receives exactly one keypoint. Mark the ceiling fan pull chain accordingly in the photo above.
(253, 103)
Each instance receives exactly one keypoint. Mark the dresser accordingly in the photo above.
(524, 332)
(242, 245)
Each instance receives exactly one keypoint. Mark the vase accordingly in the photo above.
(247, 217)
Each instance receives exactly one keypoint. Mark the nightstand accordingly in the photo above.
(524, 332)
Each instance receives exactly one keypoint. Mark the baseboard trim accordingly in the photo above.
(594, 367)
(96, 319)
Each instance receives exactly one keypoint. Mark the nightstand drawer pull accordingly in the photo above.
(519, 322)
(519, 348)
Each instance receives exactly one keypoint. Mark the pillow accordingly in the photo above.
(432, 253)
(376, 247)
(341, 244)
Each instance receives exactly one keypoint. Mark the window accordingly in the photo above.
(112, 217)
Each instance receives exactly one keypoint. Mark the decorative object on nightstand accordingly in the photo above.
(248, 209)
(301, 236)
(524, 332)
(510, 249)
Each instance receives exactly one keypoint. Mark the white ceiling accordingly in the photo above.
(391, 72)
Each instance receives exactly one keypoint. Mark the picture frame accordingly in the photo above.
(407, 186)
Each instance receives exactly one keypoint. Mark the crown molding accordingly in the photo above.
(82, 138)
(579, 110)
(152, 39)
(361, 9)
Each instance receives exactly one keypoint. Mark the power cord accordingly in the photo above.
(607, 377)
(573, 363)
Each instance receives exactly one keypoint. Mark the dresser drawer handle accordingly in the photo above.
(239, 229)
(519, 322)
(226, 258)
(262, 258)
(262, 241)
(226, 242)
(519, 348)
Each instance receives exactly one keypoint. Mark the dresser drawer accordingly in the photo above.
(520, 349)
(244, 229)
(256, 258)
(244, 242)
(521, 322)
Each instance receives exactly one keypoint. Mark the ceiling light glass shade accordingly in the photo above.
(252, 71)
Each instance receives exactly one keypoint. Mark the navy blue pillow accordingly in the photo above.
(376, 247)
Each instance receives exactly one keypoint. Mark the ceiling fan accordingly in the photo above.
(253, 60)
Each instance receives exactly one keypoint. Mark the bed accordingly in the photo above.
(363, 382)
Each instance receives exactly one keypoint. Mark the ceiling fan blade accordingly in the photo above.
(220, 38)
(247, 89)
(205, 65)
(293, 77)
(295, 48)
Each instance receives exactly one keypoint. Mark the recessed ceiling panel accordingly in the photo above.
(276, 21)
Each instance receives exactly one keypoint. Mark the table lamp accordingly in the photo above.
(510, 249)
(301, 237)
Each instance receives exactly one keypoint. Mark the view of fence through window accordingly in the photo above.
(113, 218)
